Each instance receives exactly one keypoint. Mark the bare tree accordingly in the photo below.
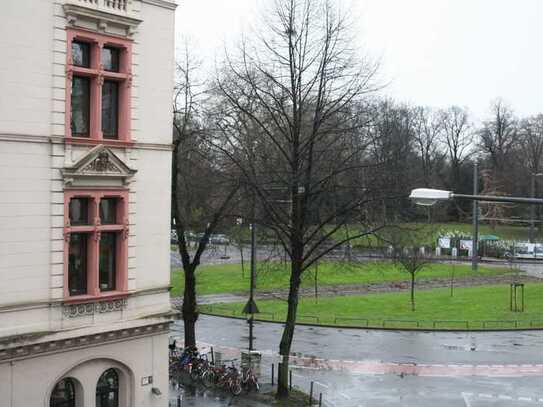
(457, 138)
(287, 120)
(411, 259)
(531, 142)
(428, 127)
(202, 189)
(498, 139)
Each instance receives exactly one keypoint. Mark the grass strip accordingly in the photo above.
(229, 278)
(485, 307)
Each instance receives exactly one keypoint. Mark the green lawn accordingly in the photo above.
(228, 278)
(490, 303)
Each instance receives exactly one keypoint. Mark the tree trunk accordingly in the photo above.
(288, 332)
(412, 291)
(190, 315)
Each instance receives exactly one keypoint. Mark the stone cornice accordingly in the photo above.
(84, 341)
(171, 5)
(26, 138)
(21, 306)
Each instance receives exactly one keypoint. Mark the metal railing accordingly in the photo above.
(375, 322)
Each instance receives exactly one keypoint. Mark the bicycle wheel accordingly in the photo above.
(235, 386)
(209, 379)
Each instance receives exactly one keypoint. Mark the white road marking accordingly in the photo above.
(344, 395)
(466, 396)
(322, 384)
(525, 399)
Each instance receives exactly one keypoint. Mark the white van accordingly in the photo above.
(526, 250)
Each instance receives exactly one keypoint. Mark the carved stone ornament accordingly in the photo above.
(101, 165)
(80, 310)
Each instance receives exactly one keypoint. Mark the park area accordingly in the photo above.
(377, 294)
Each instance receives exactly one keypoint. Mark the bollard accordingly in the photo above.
(178, 401)
(290, 379)
(212, 356)
(311, 393)
(320, 399)
(272, 373)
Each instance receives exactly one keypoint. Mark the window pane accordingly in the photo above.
(81, 54)
(80, 106)
(79, 211)
(77, 264)
(110, 59)
(108, 207)
(107, 261)
(63, 394)
(110, 109)
(107, 389)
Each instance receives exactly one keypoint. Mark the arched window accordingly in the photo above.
(107, 389)
(63, 394)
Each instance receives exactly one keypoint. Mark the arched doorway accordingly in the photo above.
(107, 389)
(63, 394)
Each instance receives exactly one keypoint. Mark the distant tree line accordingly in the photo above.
(291, 134)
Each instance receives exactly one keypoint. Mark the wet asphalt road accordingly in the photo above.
(345, 387)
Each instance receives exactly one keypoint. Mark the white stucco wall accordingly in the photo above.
(154, 74)
(29, 382)
(26, 33)
(25, 246)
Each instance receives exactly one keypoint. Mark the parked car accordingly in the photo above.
(219, 239)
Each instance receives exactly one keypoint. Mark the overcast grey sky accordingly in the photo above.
(433, 52)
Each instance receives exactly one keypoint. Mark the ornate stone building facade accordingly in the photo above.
(85, 162)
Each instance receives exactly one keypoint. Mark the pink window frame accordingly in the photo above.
(94, 229)
(97, 75)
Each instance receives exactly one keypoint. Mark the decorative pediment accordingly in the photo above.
(99, 167)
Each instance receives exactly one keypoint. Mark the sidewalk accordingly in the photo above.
(212, 398)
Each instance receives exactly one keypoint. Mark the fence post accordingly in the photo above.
(212, 356)
(178, 401)
(320, 399)
(290, 379)
(273, 368)
(311, 393)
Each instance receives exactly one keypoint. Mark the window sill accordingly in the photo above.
(95, 142)
(106, 296)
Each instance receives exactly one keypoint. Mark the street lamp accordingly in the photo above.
(427, 196)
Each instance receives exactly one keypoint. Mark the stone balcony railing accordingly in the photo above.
(122, 7)
(122, 13)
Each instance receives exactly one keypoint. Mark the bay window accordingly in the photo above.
(98, 88)
(96, 244)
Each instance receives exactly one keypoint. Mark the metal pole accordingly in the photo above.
(532, 209)
(251, 333)
(475, 242)
(253, 274)
(253, 259)
(493, 198)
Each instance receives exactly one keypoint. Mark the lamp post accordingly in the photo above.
(532, 208)
(475, 241)
(250, 308)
